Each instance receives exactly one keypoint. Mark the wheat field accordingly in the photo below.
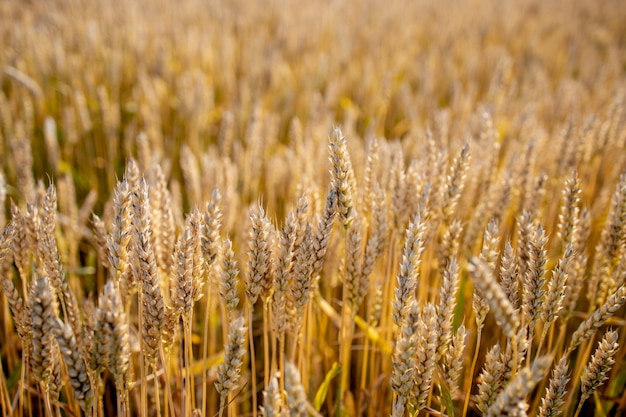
(332, 208)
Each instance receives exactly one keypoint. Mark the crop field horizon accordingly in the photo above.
(217, 208)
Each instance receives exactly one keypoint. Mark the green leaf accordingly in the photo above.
(460, 304)
(14, 378)
(322, 391)
(447, 399)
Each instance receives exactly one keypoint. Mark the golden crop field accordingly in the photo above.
(312, 208)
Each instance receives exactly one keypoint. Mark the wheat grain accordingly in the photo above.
(601, 362)
(453, 360)
(610, 246)
(163, 230)
(191, 174)
(399, 190)
(296, 397)
(212, 223)
(404, 367)
(509, 275)
(409, 269)
(505, 313)
(145, 269)
(569, 213)
(76, 369)
(372, 164)
(323, 232)
(303, 273)
(229, 371)
(553, 400)
(119, 240)
(281, 278)
(119, 361)
(44, 310)
(588, 328)
(100, 241)
(377, 236)
(512, 400)
(356, 285)
(455, 182)
(16, 302)
(557, 288)
(22, 154)
(446, 306)
(229, 279)
(426, 354)
(533, 281)
(259, 272)
(272, 400)
(492, 379)
(489, 253)
(340, 170)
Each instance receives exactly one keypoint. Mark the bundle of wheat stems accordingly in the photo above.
(285, 208)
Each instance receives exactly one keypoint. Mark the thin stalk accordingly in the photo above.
(346, 349)
(550, 338)
(142, 370)
(364, 364)
(561, 338)
(205, 347)
(345, 338)
(168, 390)
(252, 360)
(157, 399)
(373, 375)
(542, 340)
(25, 365)
(531, 336)
(223, 404)
(305, 348)
(468, 384)
(46, 400)
(295, 342)
(580, 407)
(119, 408)
(281, 360)
(188, 390)
(274, 365)
(266, 345)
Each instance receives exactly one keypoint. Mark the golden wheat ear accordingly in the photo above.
(599, 366)
(554, 398)
(229, 371)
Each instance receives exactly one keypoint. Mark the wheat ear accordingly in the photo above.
(296, 396)
(506, 316)
(272, 400)
(552, 402)
(76, 368)
(145, 269)
(409, 269)
(512, 399)
(404, 366)
(44, 311)
(229, 371)
(596, 371)
(446, 306)
(341, 172)
(587, 328)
